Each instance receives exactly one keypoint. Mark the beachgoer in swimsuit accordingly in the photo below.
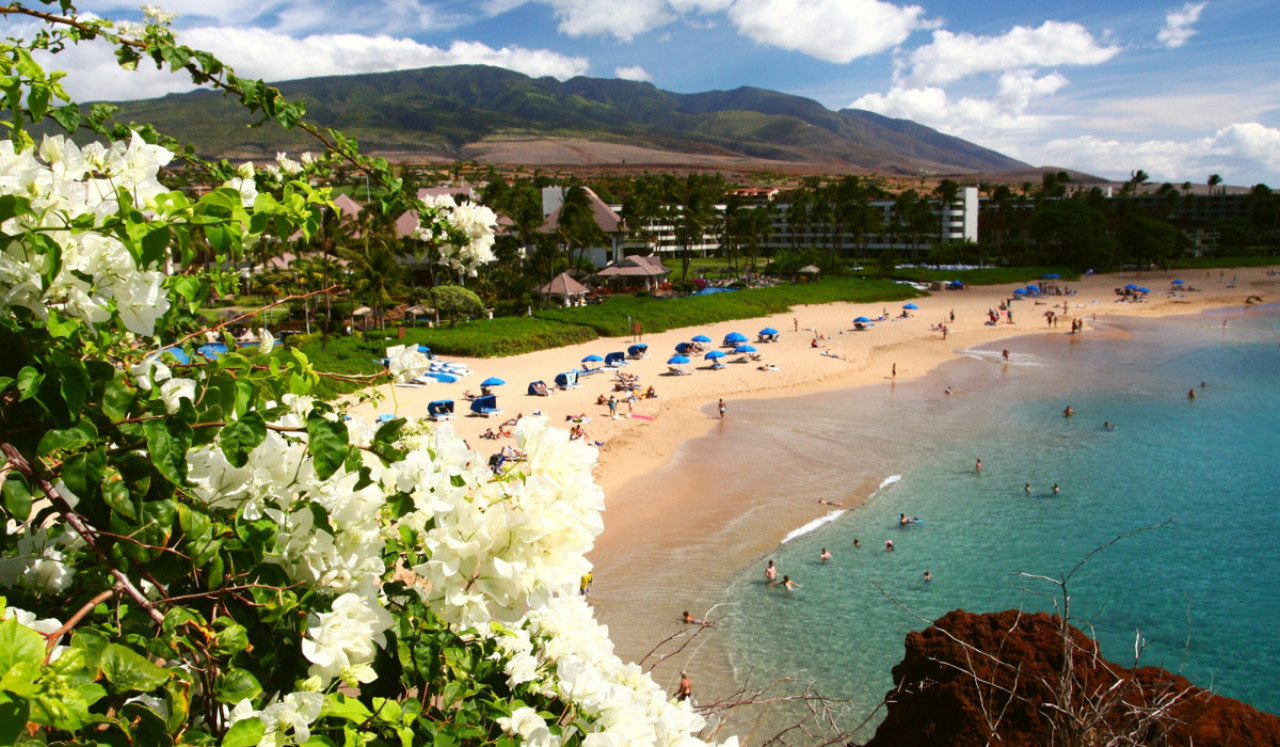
(1026, 488)
(686, 687)
(888, 545)
(825, 556)
(928, 577)
(771, 572)
(978, 467)
(787, 583)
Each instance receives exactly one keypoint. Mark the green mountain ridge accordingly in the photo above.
(441, 112)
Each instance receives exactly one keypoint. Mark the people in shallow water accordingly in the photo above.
(1026, 488)
(1108, 425)
(1191, 394)
(904, 519)
(888, 545)
(1068, 412)
(928, 576)
(825, 556)
(1055, 488)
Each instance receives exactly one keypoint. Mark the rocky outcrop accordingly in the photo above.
(1013, 678)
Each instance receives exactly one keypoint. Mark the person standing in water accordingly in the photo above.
(771, 572)
(978, 467)
(721, 409)
(686, 687)
(825, 556)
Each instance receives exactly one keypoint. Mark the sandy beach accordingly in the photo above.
(650, 535)
(685, 406)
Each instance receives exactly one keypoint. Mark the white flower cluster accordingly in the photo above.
(288, 720)
(499, 547)
(476, 222)
(97, 274)
(41, 560)
(156, 14)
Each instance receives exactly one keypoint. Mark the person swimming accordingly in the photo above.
(1026, 488)
(1068, 412)
(825, 556)
(888, 545)
(928, 576)
(1055, 489)
(1107, 425)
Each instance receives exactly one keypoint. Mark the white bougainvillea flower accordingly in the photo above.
(346, 637)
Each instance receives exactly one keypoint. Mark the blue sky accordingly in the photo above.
(1181, 90)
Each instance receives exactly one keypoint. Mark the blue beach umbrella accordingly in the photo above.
(678, 360)
(745, 349)
(768, 331)
(1019, 292)
(1033, 289)
(1144, 290)
(1131, 287)
(1050, 276)
(862, 319)
(593, 359)
(735, 337)
(714, 354)
(701, 338)
(492, 381)
(910, 306)
(1178, 282)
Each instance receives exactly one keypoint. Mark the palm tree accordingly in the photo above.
(1214, 180)
(577, 224)
(947, 191)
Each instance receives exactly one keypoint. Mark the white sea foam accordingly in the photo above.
(811, 526)
(833, 515)
(995, 356)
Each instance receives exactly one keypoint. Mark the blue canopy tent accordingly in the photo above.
(615, 359)
(567, 380)
(538, 389)
(639, 350)
(486, 406)
(441, 409)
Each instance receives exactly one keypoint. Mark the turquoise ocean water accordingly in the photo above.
(1209, 464)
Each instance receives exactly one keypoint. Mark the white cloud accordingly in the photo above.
(264, 54)
(1243, 153)
(633, 72)
(623, 20)
(952, 56)
(838, 31)
(1177, 25)
(971, 117)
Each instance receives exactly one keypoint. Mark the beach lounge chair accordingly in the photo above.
(486, 406)
(638, 351)
(539, 389)
(441, 409)
(717, 366)
(615, 359)
(673, 371)
(417, 383)
(567, 380)
(386, 417)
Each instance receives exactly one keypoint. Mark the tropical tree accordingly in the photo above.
(1214, 180)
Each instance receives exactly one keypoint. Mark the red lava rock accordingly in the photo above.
(947, 693)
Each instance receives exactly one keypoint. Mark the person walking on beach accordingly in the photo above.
(722, 409)
(686, 687)
(1005, 354)
(894, 373)
(796, 321)
(771, 572)
(613, 407)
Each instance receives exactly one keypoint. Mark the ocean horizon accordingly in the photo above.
(1192, 479)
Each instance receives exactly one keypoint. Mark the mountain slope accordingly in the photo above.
(461, 111)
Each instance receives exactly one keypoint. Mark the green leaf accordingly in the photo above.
(327, 443)
(18, 644)
(236, 685)
(153, 245)
(232, 638)
(14, 715)
(245, 733)
(69, 439)
(75, 383)
(29, 381)
(17, 497)
(13, 205)
(68, 116)
(241, 437)
(341, 706)
(117, 397)
(83, 473)
(168, 440)
(128, 670)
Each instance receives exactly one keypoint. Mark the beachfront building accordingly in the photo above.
(565, 209)
(633, 273)
(900, 224)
